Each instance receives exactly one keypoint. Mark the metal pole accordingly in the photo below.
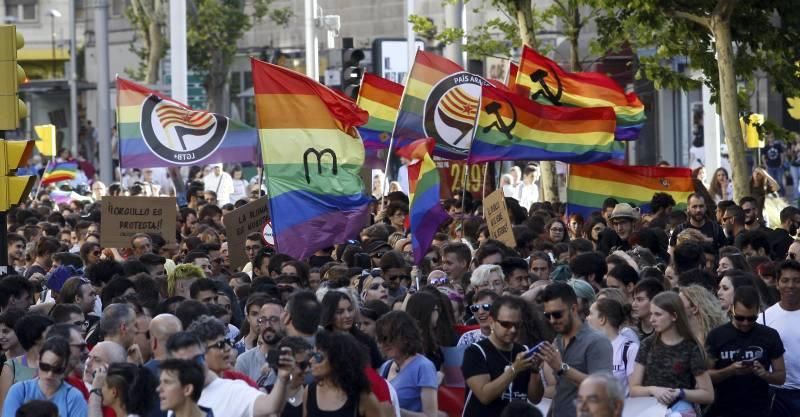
(453, 18)
(411, 42)
(3, 243)
(312, 47)
(53, 43)
(104, 111)
(73, 85)
(177, 50)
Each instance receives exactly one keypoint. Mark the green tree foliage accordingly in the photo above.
(728, 41)
(149, 17)
(212, 36)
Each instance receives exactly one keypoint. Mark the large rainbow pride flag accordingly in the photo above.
(381, 99)
(512, 127)
(312, 160)
(440, 101)
(156, 131)
(589, 185)
(548, 83)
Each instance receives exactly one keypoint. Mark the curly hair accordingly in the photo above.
(400, 329)
(710, 313)
(347, 360)
(207, 328)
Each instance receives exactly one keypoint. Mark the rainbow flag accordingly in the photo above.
(440, 101)
(512, 127)
(312, 160)
(589, 185)
(511, 78)
(59, 171)
(426, 212)
(381, 99)
(156, 131)
(549, 84)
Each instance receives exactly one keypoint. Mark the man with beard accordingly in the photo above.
(782, 237)
(696, 209)
(752, 214)
(733, 222)
(623, 222)
(588, 352)
(253, 363)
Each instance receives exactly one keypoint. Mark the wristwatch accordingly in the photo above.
(564, 369)
(97, 391)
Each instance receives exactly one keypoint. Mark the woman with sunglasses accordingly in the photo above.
(339, 314)
(30, 330)
(123, 387)
(411, 374)
(340, 386)
(480, 315)
(50, 384)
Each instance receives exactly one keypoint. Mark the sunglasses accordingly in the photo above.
(475, 307)
(96, 253)
(554, 315)
(377, 285)
(46, 367)
(509, 324)
(751, 319)
(303, 365)
(221, 344)
(440, 281)
(318, 357)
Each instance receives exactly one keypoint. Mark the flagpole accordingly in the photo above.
(394, 128)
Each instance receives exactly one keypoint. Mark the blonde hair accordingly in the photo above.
(690, 235)
(710, 311)
(181, 272)
(480, 276)
(615, 294)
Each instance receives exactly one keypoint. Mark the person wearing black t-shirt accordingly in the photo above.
(496, 369)
(742, 353)
(696, 211)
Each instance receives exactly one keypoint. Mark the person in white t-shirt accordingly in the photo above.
(529, 190)
(606, 315)
(233, 398)
(784, 317)
(221, 183)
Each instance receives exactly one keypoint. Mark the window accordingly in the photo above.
(118, 7)
(22, 10)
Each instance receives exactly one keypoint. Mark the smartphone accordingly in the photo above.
(530, 352)
(272, 358)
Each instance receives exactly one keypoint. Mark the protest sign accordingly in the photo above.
(239, 223)
(123, 217)
(496, 215)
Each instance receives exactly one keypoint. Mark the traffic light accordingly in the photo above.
(13, 189)
(12, 109)
(351, 71)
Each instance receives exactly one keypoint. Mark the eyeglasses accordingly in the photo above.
(751, 319)
(509, 324)
(475, 307)
(377, 285)
(221, 344)
(271, 320)
(318, 357)
(440, 281)
(46, 367)
(554, 315)
(84, 324)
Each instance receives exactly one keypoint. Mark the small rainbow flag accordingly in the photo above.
(156, 131)
(381, 99)
(426, 212)
(512, 127)
(511, 78)
(543, 80)
(312, 160)
(440, 101)
(589, 185)
(59, 171)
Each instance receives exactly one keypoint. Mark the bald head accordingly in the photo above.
(102, 355)
(161, 328)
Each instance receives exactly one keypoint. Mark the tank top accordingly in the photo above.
(21, 370)
(349, 409)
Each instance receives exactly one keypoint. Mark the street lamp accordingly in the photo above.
(53, 13)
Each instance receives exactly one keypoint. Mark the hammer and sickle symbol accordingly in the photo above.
(319, 155)
(500, 124)
(539, 76)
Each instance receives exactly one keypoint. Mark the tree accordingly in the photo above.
(149, 17)
(727, 40)
(212, 36)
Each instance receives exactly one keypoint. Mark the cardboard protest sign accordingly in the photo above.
(123, 217)
(241, 222)
(496, 215)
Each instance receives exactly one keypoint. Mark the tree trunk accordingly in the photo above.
(156, 50)
(729, 106)
(524, 11)
(217, 79)
(574, 35)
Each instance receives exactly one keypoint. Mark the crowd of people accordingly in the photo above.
(693, 308)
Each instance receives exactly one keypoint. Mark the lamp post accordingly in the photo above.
(53, 13)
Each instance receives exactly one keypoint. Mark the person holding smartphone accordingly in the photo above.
(741, 354)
